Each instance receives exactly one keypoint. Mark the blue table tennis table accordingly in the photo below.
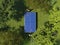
(30, 22)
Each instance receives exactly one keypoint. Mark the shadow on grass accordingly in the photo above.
(57, 42)
(4, 28)
(20, 7)
(24, 35)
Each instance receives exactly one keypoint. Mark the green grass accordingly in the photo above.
(42, 17)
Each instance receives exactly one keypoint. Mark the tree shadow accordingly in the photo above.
(24, 35)
(57, 42)
(20, 7)
(4, 28)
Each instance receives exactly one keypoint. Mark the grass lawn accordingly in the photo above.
(42, 17)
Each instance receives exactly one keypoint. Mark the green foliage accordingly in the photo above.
(11, 22)
(48, 24)
(44, 5)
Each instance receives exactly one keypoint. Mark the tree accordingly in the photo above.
(49, 33)
(8, 11)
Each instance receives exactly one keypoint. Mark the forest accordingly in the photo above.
(12, 22)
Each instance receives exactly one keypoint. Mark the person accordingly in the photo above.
(28, 10)
(30, 35)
